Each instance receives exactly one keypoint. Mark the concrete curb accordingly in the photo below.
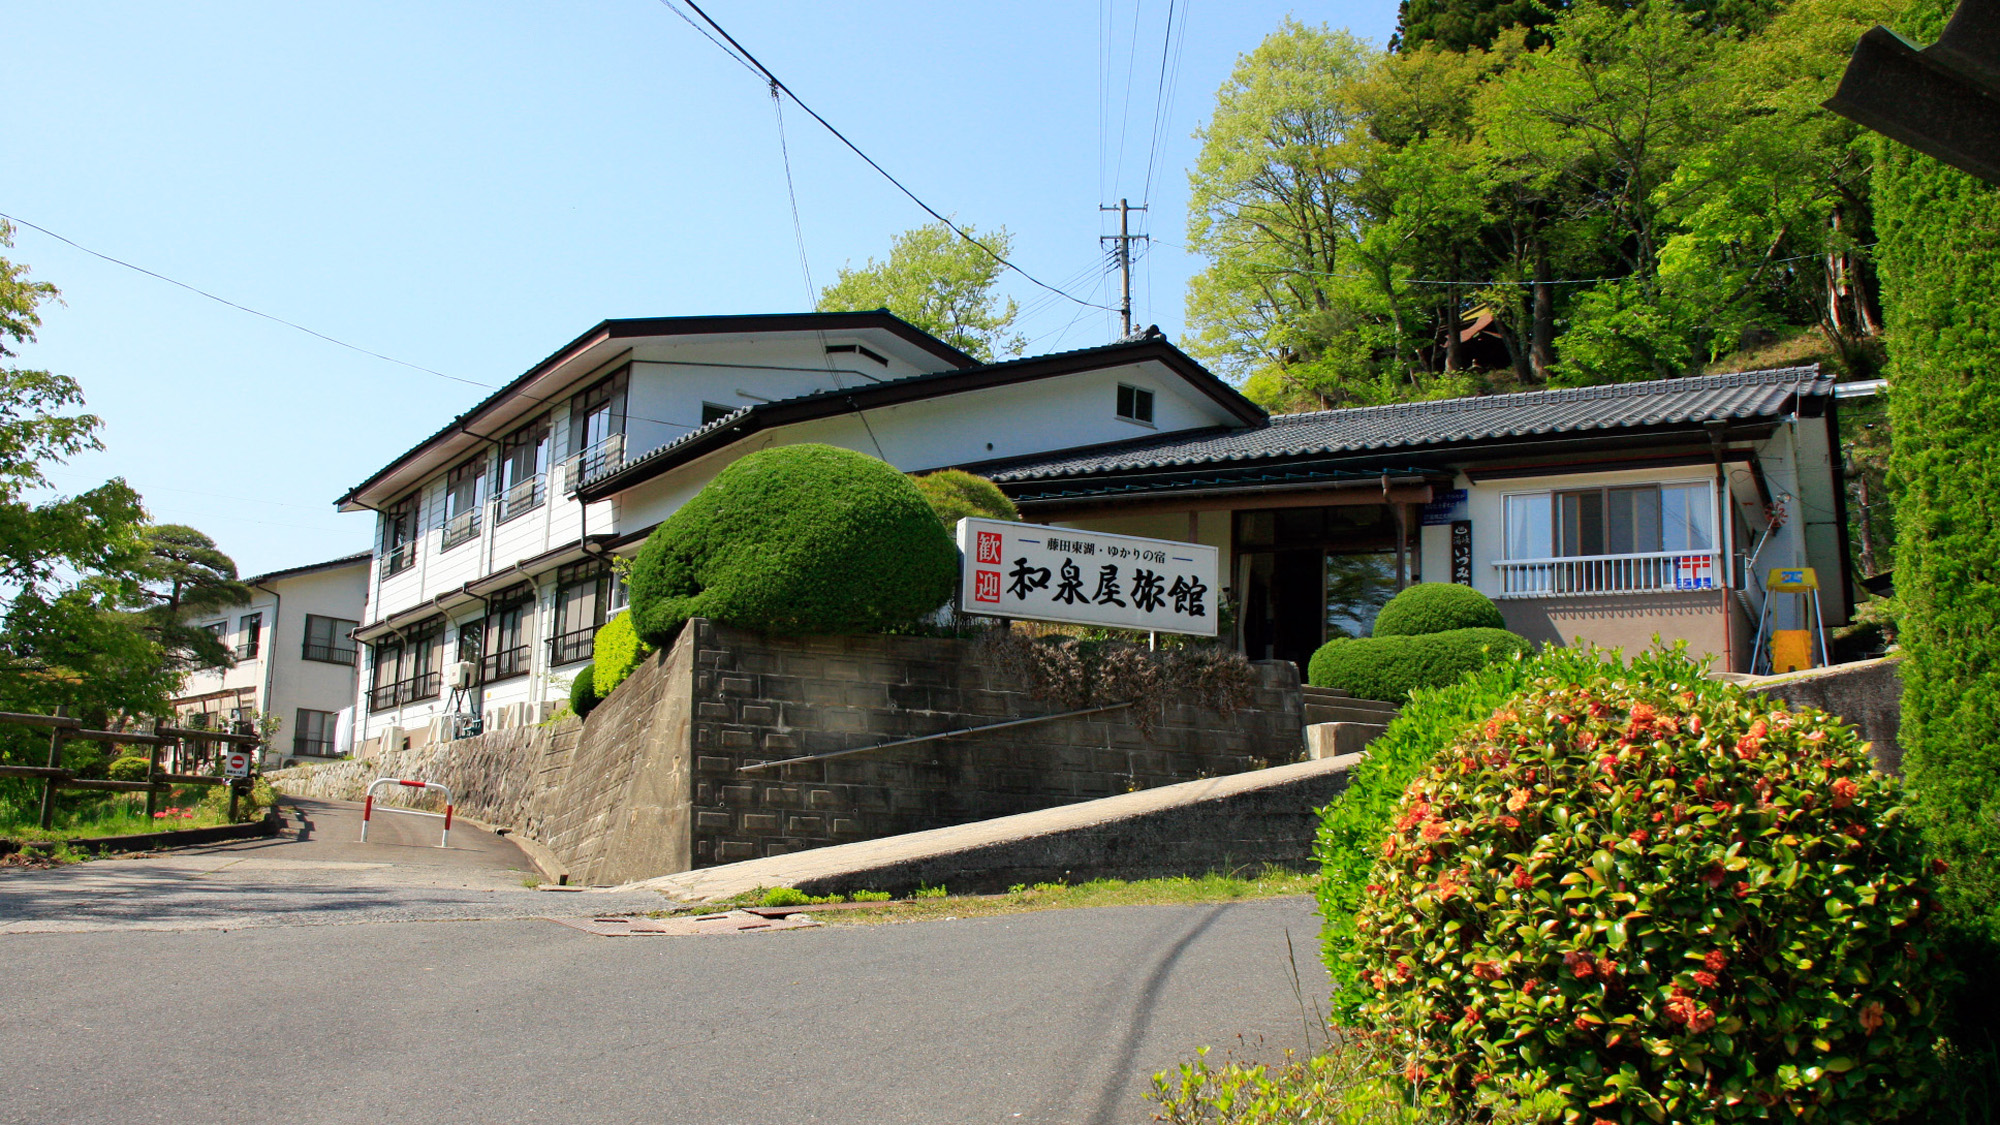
(1263, 816)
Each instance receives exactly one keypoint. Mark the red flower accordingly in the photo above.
(1694, 724)
(1605, 968)
(1742, 890)
(1714, 876)
(1522, 880)
(1374, 890)
(1715, 961)
(1608, 765)
(1641, 835)
(1939, 867)
(1486, 970)
(1871, 1017)
(1701, 1020)
(1580, 965)
(1432, 831)
(1518, 800)
(1701, 787)
(1680, 1009)
(1581, 1024)
(1855, 830)
(1704, 978)
(1720, 806)
(1528, 986)
(1509, 822)
(1643, 717)
(1844, 792)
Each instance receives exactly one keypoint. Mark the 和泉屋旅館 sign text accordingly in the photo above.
(1087, 578)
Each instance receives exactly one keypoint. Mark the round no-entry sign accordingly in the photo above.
(236, 764)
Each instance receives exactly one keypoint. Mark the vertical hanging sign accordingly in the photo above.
(1086, 577)
(1461, 552)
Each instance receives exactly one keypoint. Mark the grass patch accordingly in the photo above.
(933, 903)
(115, 814)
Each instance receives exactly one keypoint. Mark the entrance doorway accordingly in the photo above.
(1312, 574)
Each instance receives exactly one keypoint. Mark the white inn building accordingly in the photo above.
(1605, 513)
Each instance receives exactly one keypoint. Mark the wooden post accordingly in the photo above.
(152, 780)
(1402, 513)
(235, 791)
(49, 783)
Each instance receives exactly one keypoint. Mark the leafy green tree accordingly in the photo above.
(183, 574)
(1940, 254)
(942, 284)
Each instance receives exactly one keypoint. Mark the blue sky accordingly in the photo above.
(468, 186)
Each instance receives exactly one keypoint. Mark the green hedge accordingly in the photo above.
(131, 767)
(1661, 898)
(616, 650)
(1390, 668)
(1437, 607)
(1353, 826)
(955, 494)
(583, 697)
(796, 540)
(1939, 253)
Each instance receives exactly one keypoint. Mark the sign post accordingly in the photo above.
(1087, 578)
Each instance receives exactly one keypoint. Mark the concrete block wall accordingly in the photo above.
(759, 699)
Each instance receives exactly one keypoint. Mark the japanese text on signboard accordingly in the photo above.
(1061, 574)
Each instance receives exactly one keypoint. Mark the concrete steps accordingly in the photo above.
(1337, 724)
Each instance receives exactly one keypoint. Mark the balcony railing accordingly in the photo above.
(303, 747)
(331, 654)
(524, 497)
(1652, 573)
(405, 691)
(461, 528)
(247, 651)
(594, 461)
(399, 558)
(501, 665)
(570, 647)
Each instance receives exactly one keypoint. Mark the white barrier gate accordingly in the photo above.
(368, 806)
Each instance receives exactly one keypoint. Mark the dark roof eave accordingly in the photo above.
(363, 557)
(826, 404)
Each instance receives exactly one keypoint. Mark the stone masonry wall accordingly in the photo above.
(651, 785)
(759, 699)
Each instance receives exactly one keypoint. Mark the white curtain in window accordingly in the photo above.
(1529, 531)
(1687, 518)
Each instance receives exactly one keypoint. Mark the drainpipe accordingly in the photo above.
(1724, 515)
(271, 653)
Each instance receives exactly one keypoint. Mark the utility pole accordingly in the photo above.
(1124, 239)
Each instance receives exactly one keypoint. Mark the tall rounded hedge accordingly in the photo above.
(1437, 607)
(583, 697)
(1661, 900)
(796, 540)
(955, 494)
(1390, 668)
(615, 651)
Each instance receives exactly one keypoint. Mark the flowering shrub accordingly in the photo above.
(1663, 901)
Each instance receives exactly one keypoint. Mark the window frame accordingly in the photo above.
(416, 671)
(534, 438)
(328, 723)
(464, 495)
(332, 647)
(1134, 408)
(569, 642)
(402, 530)
(606, 453)
(252, 626)
(1553, 496)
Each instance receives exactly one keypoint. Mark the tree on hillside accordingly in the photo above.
(1460, 25)
(80, 627)
(941, 283)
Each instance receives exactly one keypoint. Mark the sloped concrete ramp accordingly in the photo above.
(1243, 820)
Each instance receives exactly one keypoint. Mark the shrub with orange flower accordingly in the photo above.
(1764, 951)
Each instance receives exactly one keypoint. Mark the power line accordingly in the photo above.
(870, 161)
(244, 308)
(1162, 96)
(792, 193)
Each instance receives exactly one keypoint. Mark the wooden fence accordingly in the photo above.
(63, 729)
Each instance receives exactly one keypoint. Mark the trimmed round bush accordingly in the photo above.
(1658, 899)
(1390, 668)
(796, 540)
(1437, 607)
(583, 697)
(616, 651)
(131, 767)
(955, 494)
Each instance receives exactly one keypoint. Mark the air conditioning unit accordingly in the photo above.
(462, 675)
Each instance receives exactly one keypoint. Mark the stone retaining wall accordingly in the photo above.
(652, 784)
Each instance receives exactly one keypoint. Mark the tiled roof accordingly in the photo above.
(1411, 427)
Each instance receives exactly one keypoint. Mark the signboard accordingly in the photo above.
(1793, 580)
(236, 764)
(1694, 572)
(1461, 552)
(1086, 577)
(1446, 506)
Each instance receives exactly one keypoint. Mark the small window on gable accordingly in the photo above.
(710, 412)
(1135, 403)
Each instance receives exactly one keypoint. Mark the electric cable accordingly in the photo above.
(933, 212)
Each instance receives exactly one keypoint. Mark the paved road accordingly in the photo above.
(213, 988)
(315, 873)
